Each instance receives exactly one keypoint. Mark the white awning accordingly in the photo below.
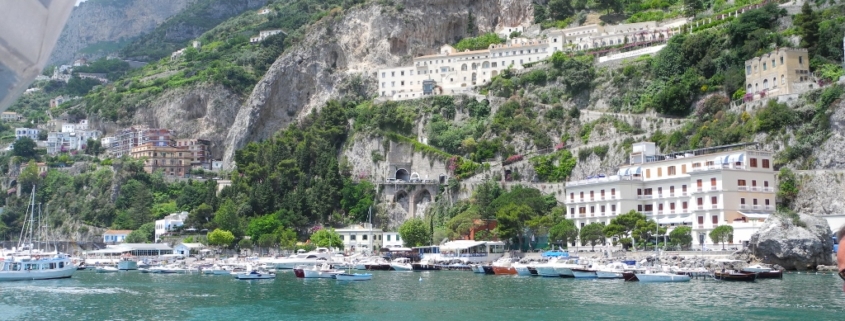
(622, 172)
(675, 220)
(720, 160)
(736, 158)
(755, 214)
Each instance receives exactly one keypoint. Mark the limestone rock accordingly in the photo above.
(340, 55)
(793, 247)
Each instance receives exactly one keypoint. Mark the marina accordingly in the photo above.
(417, 296)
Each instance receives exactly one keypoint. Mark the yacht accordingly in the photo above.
(649, 276)
(504, 266)
(611, 271)
(127, 263)
(401, 264)
(30, 264)
(256, 275)
(584, 273)
(301, 258)
(522, 269)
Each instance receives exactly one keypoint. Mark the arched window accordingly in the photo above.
(464, 67)
(765, 84)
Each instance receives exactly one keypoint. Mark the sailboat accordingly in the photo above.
(30, 264)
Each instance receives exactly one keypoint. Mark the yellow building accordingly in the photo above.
(171, 160)
(783, 71)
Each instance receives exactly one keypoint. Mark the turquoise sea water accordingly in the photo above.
(399, 296)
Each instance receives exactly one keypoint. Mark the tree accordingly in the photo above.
(721, 234)
(693, 7)
(227, 219)
(245, 243)
(200, 216)
(93, 147)
(24, 148)
(483, 197)
(145, 233)
(286, 237)
(681, 236)
(327, 238)
(264, 225)
(623, 224)
(644, 230)
(28, 177)
(808, 22)
(415, 232)
(559, 9)
(564, 232)
(593, 234)
(221, 238)
(614, 5)
(787, 187)
(511, 219)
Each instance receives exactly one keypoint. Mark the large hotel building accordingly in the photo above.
(704, 188)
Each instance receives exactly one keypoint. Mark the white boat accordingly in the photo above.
(662, 277)
(29, 264)
(255, 275)
(757, 268)
(583, 273)
(106, 269)
(354, 276)
(564, 269)
(126, 264)
(324, 271)
(522, 269)
(168, 269)
(612, 271)
(547, 269)
(402, 264)
(301, 258)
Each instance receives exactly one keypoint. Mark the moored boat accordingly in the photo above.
(354, 276)
(583, 273)
(402, 264)
(255, 275)
(127, 264)
(324, 271)
(504, 266)
(662, 277)
(731, 275)
(763, 272)
(522, 269)
(106, 269)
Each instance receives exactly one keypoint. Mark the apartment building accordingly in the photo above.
(8, 116)
(200, 151)
(727, 185)
(783, 71)
(125, 140)
(32, 133)
(171, 160)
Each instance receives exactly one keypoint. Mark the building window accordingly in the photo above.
(684, 189)
(765, 183)
(364, 237)
(755, 202)
(696, 165)
(572, 196)
(582, 195)
(671, 170)
(699, 184)
(773, 63)
(767, 202)
(660, 191)
(715, 219)
(781, 60)
(753, 162)
(647, 173)
(700, 201)
(592, 209)
(672, 190)
(352, 237)
(742, 201)
(602, 194)
(613, 208)
(602, 209)
(582, 210)
(640, 208)
(753, 183)
(672, 206)
(800, 59)
(713, 182)
(660, 172)
(341, 237)
(572, 210)
(714, 200)
(612, 192)
(701, 220)
(740, 182)
(388, 237)
(685, 205)
(591, 195)
(766, 163)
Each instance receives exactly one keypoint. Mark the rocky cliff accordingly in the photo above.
(108, 22)
(793, 244)
(340, 55)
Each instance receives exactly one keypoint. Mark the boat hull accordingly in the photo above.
(38, 274)
(735, 276)
(401, 267)
(546, 271)
(504, 270)
(770, 275)
(255, 276)
(662, 278)
(127, 265)
(583, 274)
(300, 273)
(609, 275)
(630, 276)
(377, 267)
(564, 272)
(488, 269)
(317, 274)
(354, 277)
(523, 271)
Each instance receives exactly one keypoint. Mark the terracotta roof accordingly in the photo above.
(117, 232)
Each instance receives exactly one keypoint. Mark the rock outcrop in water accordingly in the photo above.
(801, 246)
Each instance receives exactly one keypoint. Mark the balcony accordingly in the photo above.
(602, 197)
(581, 199)
(768, 189)
(714, 188)
(660, 195)
(592, 198)
(699, 190)
(714, 206)
(642, 197)
(671, 194)
(701, 207)
(647, 213)
(742, 188)
(684, 193)
(743, 206)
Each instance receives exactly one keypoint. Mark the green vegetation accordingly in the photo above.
(144, 234)
(220, 238)
(593, 234)
(327, 238)
(112, 68)
(681, 237)
(721, 234)
(554, 167)
(477, 43)
(415, 232)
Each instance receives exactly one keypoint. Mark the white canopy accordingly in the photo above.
(675, 220)
(734, 158)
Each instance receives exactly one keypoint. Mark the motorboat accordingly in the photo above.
(354, 276)
(402, 264)
(763, 272)
(654, 277)
(255, 275)
(324, 271)
(216, 270)
(732, 275)
(564, 269)
(504, 266)
(584, 273)
(106, 269)
(547, 269)
(522, 269)
(476, 268)
(611, 271)
(127, 263)
(425, 265)
(168, 269)
(301, 258)
(373, 264)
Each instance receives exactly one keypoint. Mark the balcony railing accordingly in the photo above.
(700, 189)
(701, 207)
(755, 188)
(659, 212)
(743, 206)
(671, 194)
(643, 196)
(742, 188)
(684, 193)
(602, 197)
(714, 206)
(714, 188)
(648, 213)
(581, 199)
(660, 195)
(768, 189)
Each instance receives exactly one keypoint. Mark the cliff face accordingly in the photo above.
(115, 20)
(340, 55)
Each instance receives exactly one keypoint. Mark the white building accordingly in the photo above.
(187, 249)
(392, 239)
(10, 116)
(170, 223)
(26, 132)
(505, 32)
(598, 36)
(115, 236)
(264, 11)
(726, 185)
(361, 238)
(263, 34)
